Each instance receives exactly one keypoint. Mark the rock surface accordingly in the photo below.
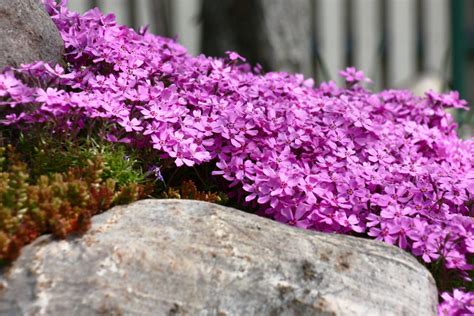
(175, 257)
(27, 34)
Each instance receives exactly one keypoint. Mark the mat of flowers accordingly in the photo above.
(387, 165)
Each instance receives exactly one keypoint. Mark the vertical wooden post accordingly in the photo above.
(185, 24)
(367, 26)
(435, 34)
(161, 16)
(80, 6)
(402, 41)
(458, 44)
(274, 33)
(331, 31)
(117, 7)
(93, 3)
(145, 15)
(132, 13)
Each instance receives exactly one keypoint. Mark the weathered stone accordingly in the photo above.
(172, 257)
(27, 34)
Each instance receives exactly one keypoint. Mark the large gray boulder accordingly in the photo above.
(175, 257)
(27, 34)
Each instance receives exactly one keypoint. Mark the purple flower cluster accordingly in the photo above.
(388, 165)
(459, 304)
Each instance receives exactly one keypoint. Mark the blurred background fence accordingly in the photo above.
(398, 43)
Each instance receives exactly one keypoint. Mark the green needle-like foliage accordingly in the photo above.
(59, 203)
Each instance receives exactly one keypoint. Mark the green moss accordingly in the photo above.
(47, 154)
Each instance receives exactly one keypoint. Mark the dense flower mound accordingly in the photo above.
(459, 303)
(388, 165)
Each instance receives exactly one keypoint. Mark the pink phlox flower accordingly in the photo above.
(330, 199)
(332, 124)
(378, 155)
(339, 138)
(351, 222)
(131, 125)
(297, 218)
(457, 195)
(59, 71)
(353, 76)
(154, 128)
(456, 260)
(372, 220)
(382, 233)
(224, 170)
(309, 185)
(424, 241)
(459, 303)
(243, 167)
(281, 159)
(113, 108)
(330, 163)
(9, 84)
(399, 228)
(152, 112)
(347, 153)
(161, 140)
(281, 182)
(447, 100)
(181, 155)
(326, 215)
(234, 56)
(49, 96)
(361, 118)
(352, 191)
(253, 189)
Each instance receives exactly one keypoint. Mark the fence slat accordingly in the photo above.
(331, 26)
(118, 7)
(401, 40)
(185, 24)
(145, 14)
(80, 6)
(367, 26)
(435, 33)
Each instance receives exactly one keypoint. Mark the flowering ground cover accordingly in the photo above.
(384, 165)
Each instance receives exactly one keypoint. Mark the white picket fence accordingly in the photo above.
(400, 23)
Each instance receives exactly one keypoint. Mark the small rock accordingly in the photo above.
(27, 34)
